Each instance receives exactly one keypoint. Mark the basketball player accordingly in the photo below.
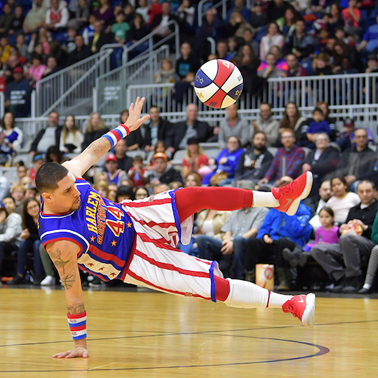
(135, 241)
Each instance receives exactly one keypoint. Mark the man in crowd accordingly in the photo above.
(164, 173)
(267, 124)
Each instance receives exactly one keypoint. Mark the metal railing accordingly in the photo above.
(68, 90)
(147, 44)
(110, 95)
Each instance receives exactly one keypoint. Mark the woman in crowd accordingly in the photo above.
(29, 242)
(192, 179)
(71, 138)
(195, 158)
(273, 37)
(141, 192)
(10, 138)
(292, 119)
(95, 128)
(342, 200)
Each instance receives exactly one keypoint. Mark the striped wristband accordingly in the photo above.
(78, 325)
(114, 136)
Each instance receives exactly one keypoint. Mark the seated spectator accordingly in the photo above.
(51, 67)
(11, 138)
(141, 193)
(10, 230)
(6, 20)
(156, 129)
(267, 124)
(271, 71)
(163, 173)
(17, 22)
(342, 200)
(104, 13)
(29, 242)
(335, 19)
(18, 95)
(124, 162)
(17, 192)
(292, 119)
(69, 42)
(341, 51)
(195, 158)
(49, 136)
(80, 52)
(100, 37)
(35, 18)
(143, 10)
(38, 160)
(352, 17)
(248, 39)
(320, 7)
(193, 179)
(115, 175)
(326, 233)
(237, 25)
(321, 66)
(191, 127)
(137, 174)
(221, 50)
(277, 9)
(54, 155)
(258, 16)
(288, 21)
(166, 74)
(160, 22)
(138, 28)
(71, 138)
(248, 63)
(21, 45)
(89, 30)
(36, 70)
(239, 7)
(227, 247)
(318, 125)
(331, 121)
(225, 164)
(370, 40)
(233, 125)
(187, 62)
(273, 37)
(81, 17)
(372, 64)
(287, 161)
(354, 243)
(325, 194)
(300, 43)
(95, 128)
(124, 193)
(322, 161)
(255, 161)
(280, 63)
(277, 232)
(57, 17)
(120, 28)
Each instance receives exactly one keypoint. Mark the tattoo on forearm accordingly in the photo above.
(57, 260)
(76, 309)
(68, 281)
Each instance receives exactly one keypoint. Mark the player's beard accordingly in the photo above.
(75, 207)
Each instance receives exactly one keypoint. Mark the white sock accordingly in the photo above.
(366, 286)
(245, 294)
(264, 199)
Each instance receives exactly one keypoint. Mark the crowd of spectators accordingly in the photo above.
(162, 155)
(272, 39)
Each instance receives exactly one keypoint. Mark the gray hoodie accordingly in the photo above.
(11, 228)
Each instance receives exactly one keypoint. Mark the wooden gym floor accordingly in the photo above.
(148, 334)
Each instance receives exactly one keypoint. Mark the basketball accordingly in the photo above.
(218, 83)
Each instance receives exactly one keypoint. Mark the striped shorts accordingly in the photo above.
(155, 262)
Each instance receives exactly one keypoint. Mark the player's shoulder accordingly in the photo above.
(62, 246)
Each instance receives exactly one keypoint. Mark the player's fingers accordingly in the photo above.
(60, 355)
(131, 107)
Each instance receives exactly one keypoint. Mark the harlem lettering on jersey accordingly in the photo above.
(101, 228)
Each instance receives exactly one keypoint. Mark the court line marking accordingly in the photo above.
(322, 351)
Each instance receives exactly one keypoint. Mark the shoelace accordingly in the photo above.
(290, 308)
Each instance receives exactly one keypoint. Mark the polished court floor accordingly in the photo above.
(147, 334)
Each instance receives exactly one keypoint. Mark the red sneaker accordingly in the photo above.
(290, 196)
(302, 307)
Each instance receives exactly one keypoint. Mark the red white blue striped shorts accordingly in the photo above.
(155, 262)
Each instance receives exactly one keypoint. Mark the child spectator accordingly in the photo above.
(120, 29)
(195, 158)
(166, 74)
(89, 31)
(141, 193)
(10, 137)
(143, 10)
(36, 70)
(137, 172)
(321, 65)
(70, 42)
(4, 49)
(318, 125)
(38, 160)
(17, 21)
(21, 45)
(6, 20)
(18, 194)
(124, 192)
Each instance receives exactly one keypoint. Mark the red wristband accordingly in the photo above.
(126, 128)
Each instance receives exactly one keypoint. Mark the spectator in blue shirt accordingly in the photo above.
(370, 40)
(318, 125)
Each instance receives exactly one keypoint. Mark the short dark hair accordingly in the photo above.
(366, 182)
(48, 176)
(125, 190)
(318, 110)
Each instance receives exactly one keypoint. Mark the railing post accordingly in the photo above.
(94, 99)
(32, 104)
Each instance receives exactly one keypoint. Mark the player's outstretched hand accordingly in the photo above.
(74, 353)
(134, 121)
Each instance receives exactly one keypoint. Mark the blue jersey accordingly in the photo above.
(101, 228)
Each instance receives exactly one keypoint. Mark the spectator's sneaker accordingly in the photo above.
(48, 281)
(290, 196)
(16, 281)
(302, 307)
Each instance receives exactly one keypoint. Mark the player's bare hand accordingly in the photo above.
(78, 352)
(135, 120)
